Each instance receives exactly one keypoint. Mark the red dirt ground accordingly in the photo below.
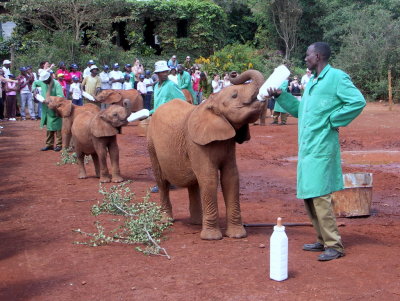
(41, 203)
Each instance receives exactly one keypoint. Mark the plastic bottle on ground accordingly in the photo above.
(279, 253)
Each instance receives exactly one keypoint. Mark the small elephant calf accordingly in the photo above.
(95, 134)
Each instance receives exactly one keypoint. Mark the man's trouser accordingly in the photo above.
(284, 117)
(321, 214)
(26, 99)
(50, 138)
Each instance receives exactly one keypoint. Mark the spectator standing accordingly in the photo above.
(204, 87)
(105, 78)
(188, 63)
(11, 98)
(45, 66)
(149, 89)
(128, 70)
(6, 73)
(92, 84)
(62, 69)
(141, 86)
(173, 76)
(217, 84)
(127, 85)
(295, 88)
(73, 71)
(137, 69)
(278, 110)
(50, 119)
(227, 81)
(330, 101)
(173, 62)
(87, 70)
(63, 83)
(25, 81)
(116, 77)
(305, 79)
(196, 85)
(185, 82)
(75, 90)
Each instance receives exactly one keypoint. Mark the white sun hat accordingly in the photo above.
(161, 66)
(93, 67)
(44, 75)
(5, 62)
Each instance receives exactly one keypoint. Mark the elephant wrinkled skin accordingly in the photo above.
(190, 145)
(68, 111)
(95, 134)
(117, 97)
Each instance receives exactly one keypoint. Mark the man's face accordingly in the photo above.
(312, 58)
(94, 72)
(7, 66)
(163, 76)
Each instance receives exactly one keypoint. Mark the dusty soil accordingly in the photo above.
(40, 203)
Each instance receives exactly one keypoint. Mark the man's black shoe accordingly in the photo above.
(46, 148)
(57, 148)
(330, 254)
(316, 247)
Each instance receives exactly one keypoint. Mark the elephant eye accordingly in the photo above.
(235, 94)
(115, 114)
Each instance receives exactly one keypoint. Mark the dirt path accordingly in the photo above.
(40, 203)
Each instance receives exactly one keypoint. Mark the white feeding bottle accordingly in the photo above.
(278, 253)
(275, 80)
(139, 115)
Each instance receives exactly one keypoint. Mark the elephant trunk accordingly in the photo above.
(256, 78)
(128, 106)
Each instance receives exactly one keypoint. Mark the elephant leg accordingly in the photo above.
(208, 191)
(230, 190)
(66, 132)
(163, 185)
(114, 158)
(101, 151)
(196, 211)
(96, 165)
(81, 164)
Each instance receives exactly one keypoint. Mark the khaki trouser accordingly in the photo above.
(321, 214)
(284, 117)
(50, 138)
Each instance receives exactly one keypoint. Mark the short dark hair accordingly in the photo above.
(323, 49)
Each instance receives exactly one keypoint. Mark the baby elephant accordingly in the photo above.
(95, 134)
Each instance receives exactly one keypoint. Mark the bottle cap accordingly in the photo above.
(279, 222)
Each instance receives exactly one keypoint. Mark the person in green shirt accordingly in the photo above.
(49, 119)
(164, 90)
(330, 101)
(185, 82)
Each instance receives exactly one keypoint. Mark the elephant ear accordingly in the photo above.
(206, 126)
(65, 108)
(242, 134)
(100, 127)
(112, 97)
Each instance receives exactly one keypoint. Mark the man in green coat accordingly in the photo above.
(185, 82)
(330, 101)
(49, 119)
(278, 110)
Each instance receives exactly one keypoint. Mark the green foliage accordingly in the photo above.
(69, 157)
(140, 222)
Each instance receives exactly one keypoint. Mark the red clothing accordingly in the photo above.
(63, 84)
(67, 75)
(78, 74)
(22, 82)
(196, 81)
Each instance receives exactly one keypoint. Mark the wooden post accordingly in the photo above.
(390, 89)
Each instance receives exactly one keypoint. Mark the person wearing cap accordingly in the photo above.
(141, 87)
(11, 98)
(149, 89)
(75, 90)
(188, 63)
(25, 81)
(73, 71)
(3, 80)
(61, 80)
(305, 79)
(92, 84)
(185, 82)
(116, 77)
(6, 68)
(173, 62)
(86, 72)
(127, 85)
(128, 71)
(105, 78)
(62, 69)
(49, 87)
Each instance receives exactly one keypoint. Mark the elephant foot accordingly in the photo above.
(235, 231)
(211, 234)
(194, 220)
(117, 179)
(105, 180)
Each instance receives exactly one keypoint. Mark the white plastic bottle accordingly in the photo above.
(139, 115)
(275, 80)
(278, 253)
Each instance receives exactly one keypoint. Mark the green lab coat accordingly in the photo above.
(168, 91)
(329, 102)
(185, 82)
(277, 107)
(49, 117)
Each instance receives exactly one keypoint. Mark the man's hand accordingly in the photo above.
(274, 92)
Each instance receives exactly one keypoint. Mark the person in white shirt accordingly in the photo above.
(75, 90)
(217, 83)
(86, 72)
(305, 79)
(141, 86)
(149, 89)
(173, 76)
(105, 78)
(6, 68)
(25, 81)
(227, 81)
(127, 85)
(116, 78)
